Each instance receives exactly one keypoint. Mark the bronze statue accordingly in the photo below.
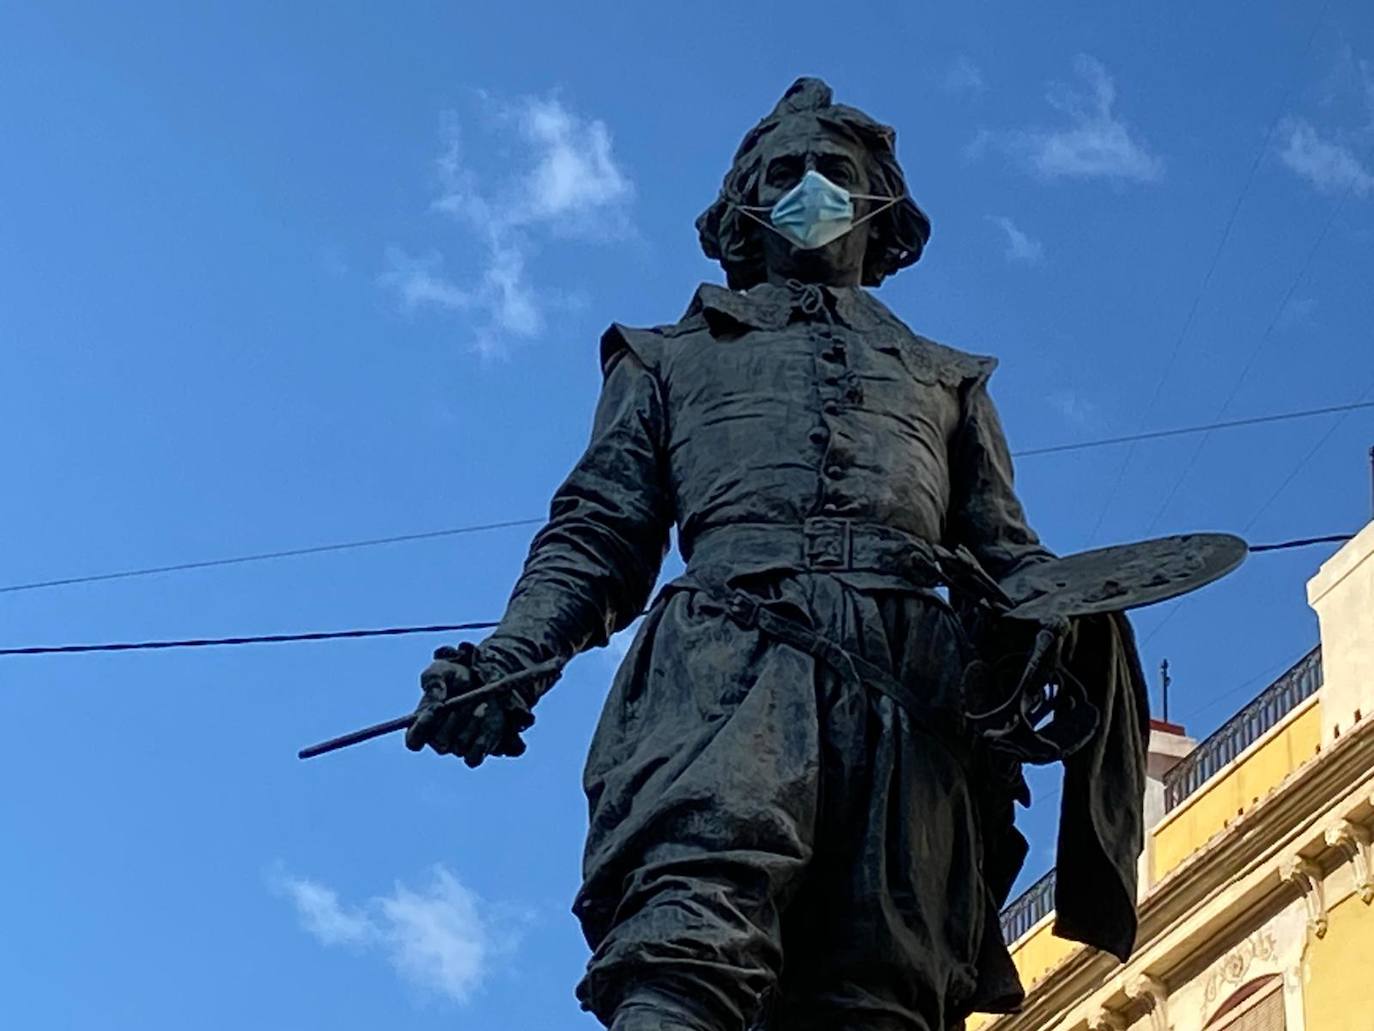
(799, 818)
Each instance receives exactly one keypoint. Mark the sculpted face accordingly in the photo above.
(787, 155)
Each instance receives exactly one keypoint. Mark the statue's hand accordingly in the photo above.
(490, 725)
(1023, 699)
(1052, 645)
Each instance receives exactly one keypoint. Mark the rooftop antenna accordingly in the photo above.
(1164, 681)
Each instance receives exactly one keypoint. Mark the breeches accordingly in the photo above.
(771, 845)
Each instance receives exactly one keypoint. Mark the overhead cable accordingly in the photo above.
(1254, 518)
(399, 631)
(1254, 353)
(1177, 348)
(372, 542)
(217, 642)
(1083, 445)
(1334, 538)
(1184, 431)
(1302, 464)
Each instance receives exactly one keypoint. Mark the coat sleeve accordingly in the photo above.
(1101, 806)
(591, 567)
(985, 514)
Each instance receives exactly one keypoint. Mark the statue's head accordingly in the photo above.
(806, 136)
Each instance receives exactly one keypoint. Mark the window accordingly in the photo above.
(1256, 1006)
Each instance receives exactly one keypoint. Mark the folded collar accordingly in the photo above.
(767, 306)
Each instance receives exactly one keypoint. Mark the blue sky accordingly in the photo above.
(275, 277)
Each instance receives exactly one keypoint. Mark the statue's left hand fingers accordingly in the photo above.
(489, 727)
(511, 745)
(467, 728)
(450, 729)
(429, 720)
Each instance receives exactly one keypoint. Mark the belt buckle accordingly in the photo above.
(829, 543)
(743, 609)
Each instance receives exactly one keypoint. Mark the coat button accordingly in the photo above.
(819, 435)
(834, 472)
(831, 408)
(830, 507)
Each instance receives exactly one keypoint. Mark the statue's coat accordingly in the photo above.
(749, 804)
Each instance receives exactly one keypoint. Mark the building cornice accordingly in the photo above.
(1221, 885)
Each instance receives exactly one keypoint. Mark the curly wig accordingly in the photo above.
(898, 234)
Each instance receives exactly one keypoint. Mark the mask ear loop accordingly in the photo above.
(750, 209)
(891, 202)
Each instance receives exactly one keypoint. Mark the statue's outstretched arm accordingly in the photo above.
(592, 566)
(588, 574)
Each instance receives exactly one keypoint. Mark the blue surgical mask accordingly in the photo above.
(815, 212)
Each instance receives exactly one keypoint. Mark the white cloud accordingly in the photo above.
(575, 172)
(1350, 79)
(1074, 408)
(1329, 158)
(963, 76)
(1020, 247)
(1093, 143)
(324, 916)
(419, 280)
(437, 938)
(1328, 164)
(442, 938)
(560, 181)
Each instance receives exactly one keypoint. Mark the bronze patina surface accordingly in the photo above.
(1126, 576)
(792, 825)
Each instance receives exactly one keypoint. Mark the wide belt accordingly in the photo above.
(1011, 724)
(818, 544)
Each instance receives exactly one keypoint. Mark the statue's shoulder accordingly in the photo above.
(653, 345)
(929, 358)
(952, 362)
(650, 344)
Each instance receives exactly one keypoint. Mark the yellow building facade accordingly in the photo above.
(1257, 879)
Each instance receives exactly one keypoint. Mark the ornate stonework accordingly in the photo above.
(1353, 842)
(1310, 880)
(1151, 991)
(1233, 969)
(1101, 1019)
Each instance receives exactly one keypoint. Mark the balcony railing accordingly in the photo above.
(1029, 908)
(1243, 729)
(1201, 764)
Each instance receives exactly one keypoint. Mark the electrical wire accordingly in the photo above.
(1183, 431)
(126, 574)
(1334, 538)
(1254, 518)
(399, 631)
(1215, 700)
(217, 642)
(1083, 445)
(1302, 464)
(1254, 354)
(1207, 276)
